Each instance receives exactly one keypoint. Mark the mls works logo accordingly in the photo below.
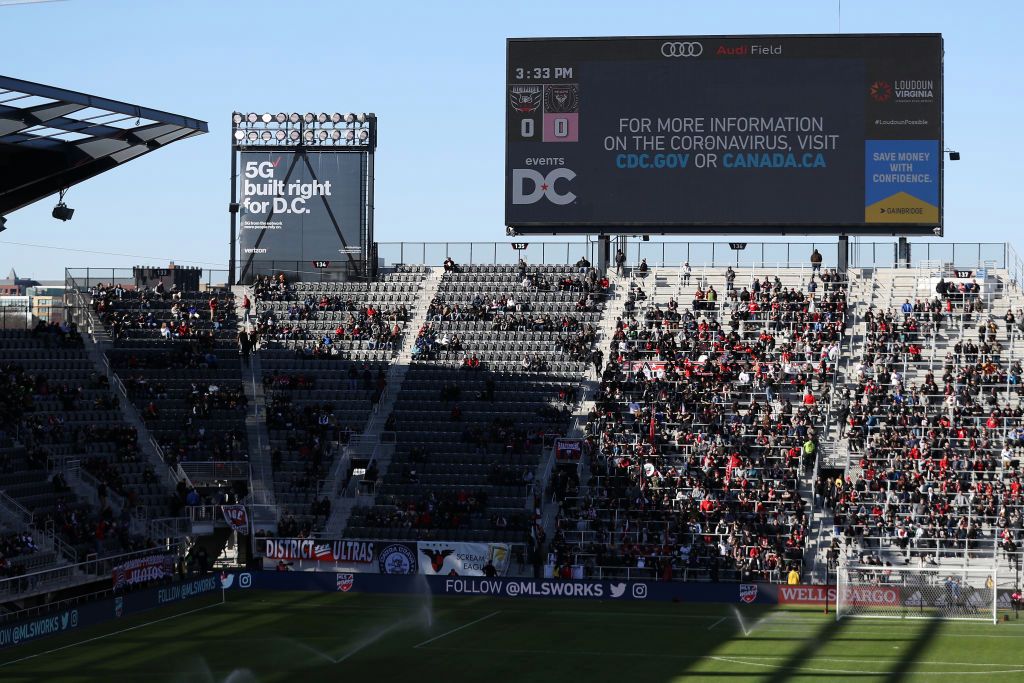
(525, 99)
(748, 592)
(345, 582)
(530, 186)
(880, 91)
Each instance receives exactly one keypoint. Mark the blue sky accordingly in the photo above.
(434, 74)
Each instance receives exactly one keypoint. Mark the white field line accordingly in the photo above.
(739, 659)
(456, 629)
(108, 635)
(717, 623)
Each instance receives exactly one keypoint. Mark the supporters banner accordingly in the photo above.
(306, 554)
(337, 552)
(649, 369)
(142, 570)
(237, 517)
(462, 559)
(568, 450)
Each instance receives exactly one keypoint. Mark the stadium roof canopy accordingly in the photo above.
(51, 139)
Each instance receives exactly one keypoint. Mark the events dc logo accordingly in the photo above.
(530, 186)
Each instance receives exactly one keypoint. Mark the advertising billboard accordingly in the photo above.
(300, 206)
(818, 134)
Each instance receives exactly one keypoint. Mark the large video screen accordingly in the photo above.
(300, 207)
(743, 134)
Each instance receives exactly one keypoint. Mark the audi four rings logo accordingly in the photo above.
(671, 49)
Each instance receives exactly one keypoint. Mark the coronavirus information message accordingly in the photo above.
(797, 134)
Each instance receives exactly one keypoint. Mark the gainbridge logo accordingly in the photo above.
(880, 91)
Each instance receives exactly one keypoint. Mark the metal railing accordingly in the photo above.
(84, 278)
(92, 569)
(215, 470)
(863, 254)
(16, 509)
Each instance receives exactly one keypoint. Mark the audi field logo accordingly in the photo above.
(677, 49)
(530, 186)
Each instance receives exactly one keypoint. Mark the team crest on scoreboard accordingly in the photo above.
(561, 99)
(748, 592)
(345, 582)
(525, 99)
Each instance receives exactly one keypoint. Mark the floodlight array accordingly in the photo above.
(254, 129)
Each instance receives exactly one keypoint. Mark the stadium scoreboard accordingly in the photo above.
(827, 134)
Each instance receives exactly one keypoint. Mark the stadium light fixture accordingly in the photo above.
(3, 223)
(62, 211)
(953, 154)
(295, 128)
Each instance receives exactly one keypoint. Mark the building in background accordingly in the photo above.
(25, 301)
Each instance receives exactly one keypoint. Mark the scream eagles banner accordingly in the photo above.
(462, 559)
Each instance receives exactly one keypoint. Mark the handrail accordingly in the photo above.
(17, 509)
(215, 470)
(52, 579)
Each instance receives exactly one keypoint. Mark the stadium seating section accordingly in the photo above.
(745, 423)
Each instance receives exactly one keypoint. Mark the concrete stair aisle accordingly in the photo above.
(370, 444)
(261, 472)
(591, 387)
(96, 346)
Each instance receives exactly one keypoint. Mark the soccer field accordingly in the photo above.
(317, 636)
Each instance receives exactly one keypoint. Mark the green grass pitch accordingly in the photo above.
(265, 637)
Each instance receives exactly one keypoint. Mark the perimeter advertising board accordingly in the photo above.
(300, 206)
(743, 134)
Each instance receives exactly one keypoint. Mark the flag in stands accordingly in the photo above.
(236, 517)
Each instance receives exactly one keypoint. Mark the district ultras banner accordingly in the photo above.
(798, 134)
(306, 554)
(301, 206)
